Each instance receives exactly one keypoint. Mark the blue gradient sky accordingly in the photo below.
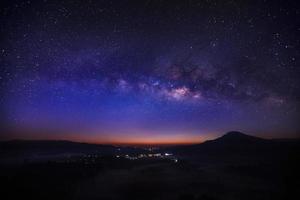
(124, 72)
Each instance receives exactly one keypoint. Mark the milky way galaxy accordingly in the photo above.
(149, 71)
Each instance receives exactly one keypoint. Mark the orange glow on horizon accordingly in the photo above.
(134, 138)
(144, 140)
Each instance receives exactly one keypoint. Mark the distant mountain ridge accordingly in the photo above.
(236, 138)
(235, 142)
(56, 147)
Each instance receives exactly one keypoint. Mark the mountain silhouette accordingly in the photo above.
(45, 148)
(235, 142)
(236, 135)
(236, 138)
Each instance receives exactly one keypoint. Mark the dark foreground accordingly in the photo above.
(120, 178)
(201, 176)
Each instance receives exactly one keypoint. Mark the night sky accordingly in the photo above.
(149, 71)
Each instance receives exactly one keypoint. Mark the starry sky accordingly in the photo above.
(149, 72)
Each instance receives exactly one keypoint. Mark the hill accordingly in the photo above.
(19, 150)
(237, 143)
